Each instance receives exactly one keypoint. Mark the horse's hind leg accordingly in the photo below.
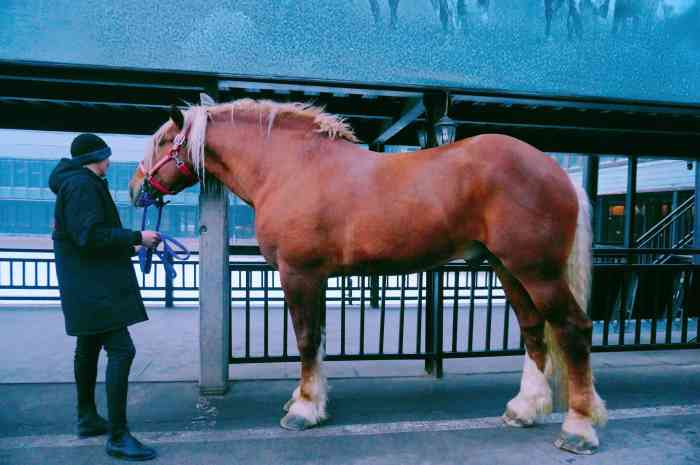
(571, 330)
(548, 12)
(535, 396)
(573, 21)
(307, 407)
(394, 8)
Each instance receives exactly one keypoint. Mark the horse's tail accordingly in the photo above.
(578, 277)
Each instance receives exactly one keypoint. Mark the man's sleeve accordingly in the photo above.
(85, 223)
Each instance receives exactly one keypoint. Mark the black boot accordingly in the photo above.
(87, 351)
(125, 446)
(92, 424)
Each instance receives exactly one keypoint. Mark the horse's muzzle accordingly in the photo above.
(146, 195)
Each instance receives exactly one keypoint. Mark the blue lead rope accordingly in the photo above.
(169, 253)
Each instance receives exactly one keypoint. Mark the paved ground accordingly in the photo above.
(382, 412)
(35, 349)
(653, 398)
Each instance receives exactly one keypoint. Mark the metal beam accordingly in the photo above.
(412, 109)
(111, 99)
(578, 103)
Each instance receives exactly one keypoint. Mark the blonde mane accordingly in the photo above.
(197, 117)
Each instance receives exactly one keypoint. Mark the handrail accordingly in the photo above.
(666, 221)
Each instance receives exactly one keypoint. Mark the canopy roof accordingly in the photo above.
(116, 66)
(653, 55)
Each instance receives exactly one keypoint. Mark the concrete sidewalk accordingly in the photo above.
(35, 349)
(382, 412)
(654, 401)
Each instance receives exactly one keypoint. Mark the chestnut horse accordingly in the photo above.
(326, 206)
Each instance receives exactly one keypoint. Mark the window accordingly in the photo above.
(21, 176)
(6, 172)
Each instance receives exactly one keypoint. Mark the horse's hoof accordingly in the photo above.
(288, 405)
(295, 423)
(575, 444)
(511, 418)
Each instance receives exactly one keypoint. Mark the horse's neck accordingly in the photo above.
(246, 158)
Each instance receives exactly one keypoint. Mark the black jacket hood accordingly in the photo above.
(66, 169)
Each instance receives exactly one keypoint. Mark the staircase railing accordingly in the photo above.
(674, 231)
(671, 229)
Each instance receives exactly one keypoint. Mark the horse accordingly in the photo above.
(617, 13)
(453, 13)
(635, 14)
(393, 8)
(574, 25)
(648, 13)
(326, 206)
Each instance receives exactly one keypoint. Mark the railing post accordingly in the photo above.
(433, 323)
(696, 215)
(374, 291)
(429, 311)
(674, 225)
(214, 289)
(169, 298)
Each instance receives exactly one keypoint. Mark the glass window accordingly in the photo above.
(27, 159)
(21, 176)
(34, 168)
(5, 173)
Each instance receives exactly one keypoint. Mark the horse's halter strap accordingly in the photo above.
(174, 156)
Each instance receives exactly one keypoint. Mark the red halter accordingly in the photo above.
(190, 177)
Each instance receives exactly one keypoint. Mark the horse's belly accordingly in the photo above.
(411, 255)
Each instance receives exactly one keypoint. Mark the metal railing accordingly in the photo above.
(28, 276)
(460, 311)
(453, 311)
(674, 231)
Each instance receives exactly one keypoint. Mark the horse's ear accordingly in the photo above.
(206, 100)
(177, 116)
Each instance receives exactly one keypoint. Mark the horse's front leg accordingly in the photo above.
(307, 407)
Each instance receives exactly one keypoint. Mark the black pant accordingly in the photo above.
(120, 353)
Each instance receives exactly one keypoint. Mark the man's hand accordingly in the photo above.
(150, 239)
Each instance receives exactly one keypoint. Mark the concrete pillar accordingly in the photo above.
(214, 290)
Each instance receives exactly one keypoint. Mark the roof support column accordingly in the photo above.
(630, 201)
(590, 184)
(214, 290)
(214, 287)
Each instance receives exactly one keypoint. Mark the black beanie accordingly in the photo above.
(89, 148)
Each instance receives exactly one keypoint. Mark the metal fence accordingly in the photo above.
(461, 311)
(28, 276)
(453, 311)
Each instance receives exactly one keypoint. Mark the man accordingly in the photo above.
(100, 296)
